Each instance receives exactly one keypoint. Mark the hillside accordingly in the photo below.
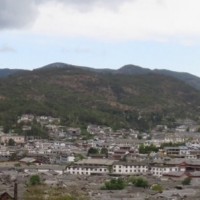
(81, 96)
(135, 70)
(8, 72)
(187, 78)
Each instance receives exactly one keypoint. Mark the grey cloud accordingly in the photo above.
(21, 13)
(87, 2)
(17, 13)
(86, 5)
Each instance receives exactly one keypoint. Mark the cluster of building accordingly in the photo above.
(171, 168)
(67, 148)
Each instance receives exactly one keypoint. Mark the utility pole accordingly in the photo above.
(15, 190)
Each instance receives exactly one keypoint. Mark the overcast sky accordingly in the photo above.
(101, 33)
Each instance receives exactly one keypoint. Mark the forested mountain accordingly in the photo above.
(189, 79)
(83, 95)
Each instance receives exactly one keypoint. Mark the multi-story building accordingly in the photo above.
(91, 166)
(130, 168)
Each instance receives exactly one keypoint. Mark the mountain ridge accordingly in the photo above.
(135, 70)
(82, 96)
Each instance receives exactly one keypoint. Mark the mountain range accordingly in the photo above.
(130, 97)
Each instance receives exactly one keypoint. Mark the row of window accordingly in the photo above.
(164, 169)
(88, 169)
(130, 171)
(120, 166)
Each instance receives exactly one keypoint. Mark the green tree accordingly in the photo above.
(147, 149)
(104, 151)
(140, 182)
(157, 188)
(38, 130)
(11, 142)
(79, 157)
(35, 180)
(114, 184)
(92, 150)
(187, 181)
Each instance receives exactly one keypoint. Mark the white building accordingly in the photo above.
(159, 170)
(17, 138)
(91, 166)
(129, 168)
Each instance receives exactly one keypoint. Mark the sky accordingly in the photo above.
(155, 34)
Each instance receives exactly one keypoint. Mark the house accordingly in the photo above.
(182, 128)
(26, 118)
(181, 175)
(17, 138)
(161, 169)
(70, 158)
(176, 151)
(27, 160)
(175, 175)
(91, 167)
(58, 169)
(6, 196)
(130, 168)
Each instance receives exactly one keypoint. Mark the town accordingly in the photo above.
(70, 156)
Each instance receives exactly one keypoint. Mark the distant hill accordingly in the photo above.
(134, 70)
(129, 97)
(7, 72)
(189, 79)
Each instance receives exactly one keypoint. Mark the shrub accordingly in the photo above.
(157, 188)
(186, 181)
(114, 184)
(34, 180)
(140, 182)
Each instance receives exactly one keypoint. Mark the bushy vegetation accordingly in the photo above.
(114, 184)
(187, 181)
(92, 150)
(11, 142)
(157, 188)
(95, 151)
(143, 149)
(35, 180)
(139, 182)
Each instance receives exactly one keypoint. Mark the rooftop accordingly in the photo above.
(96, 162)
